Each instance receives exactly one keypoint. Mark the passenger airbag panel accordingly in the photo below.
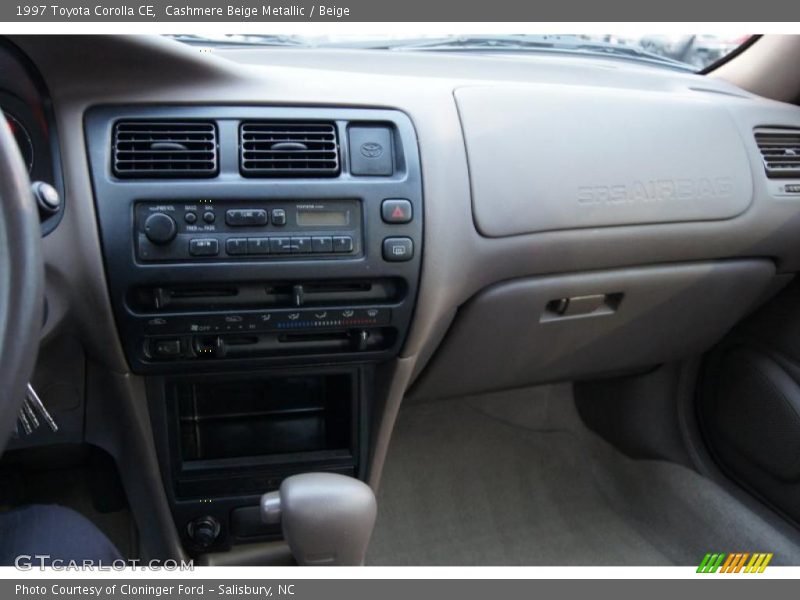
(553, 157)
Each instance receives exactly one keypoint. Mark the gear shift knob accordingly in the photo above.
(327, 519)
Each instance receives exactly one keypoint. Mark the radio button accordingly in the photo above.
(398, 249)
(258, 245)
(280, 245)
(236, 246)
(204, 247)
(396, 211)
(342, 243)
(322, 244)
(246, 217)
(301, 245)
(190, 218)
(278, 217)
(209, 217)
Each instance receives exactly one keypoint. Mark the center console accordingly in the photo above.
(262, 263)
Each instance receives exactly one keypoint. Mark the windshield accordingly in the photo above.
(692, 52)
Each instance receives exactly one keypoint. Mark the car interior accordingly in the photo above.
(273, 305)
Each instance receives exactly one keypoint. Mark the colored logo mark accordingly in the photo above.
(738, 562)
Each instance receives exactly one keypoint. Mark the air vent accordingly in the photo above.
(165, 149)
(288, 149)
(780, 150)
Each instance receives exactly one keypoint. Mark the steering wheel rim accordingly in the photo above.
(21, 281)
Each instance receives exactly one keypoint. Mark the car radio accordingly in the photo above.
(226, 229)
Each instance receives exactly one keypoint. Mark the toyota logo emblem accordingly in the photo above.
(371, 149)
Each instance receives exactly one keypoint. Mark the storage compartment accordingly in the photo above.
(266, 417)
(568, 327)
(225, 439)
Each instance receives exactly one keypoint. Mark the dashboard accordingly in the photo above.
(264, 252)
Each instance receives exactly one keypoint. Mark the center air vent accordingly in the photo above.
(288, 149)
(165, 149)
(780, 150)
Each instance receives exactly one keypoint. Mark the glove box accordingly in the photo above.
(567, 327)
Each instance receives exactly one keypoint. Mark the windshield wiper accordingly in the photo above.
(570, 44)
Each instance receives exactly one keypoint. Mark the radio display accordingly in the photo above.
(322, 218)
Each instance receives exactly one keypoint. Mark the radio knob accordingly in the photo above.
(160, 228)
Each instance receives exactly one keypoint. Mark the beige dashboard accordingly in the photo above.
(472, 239)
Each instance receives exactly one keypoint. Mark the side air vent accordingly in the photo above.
(780, 150)
(165, 149)
(288, 149)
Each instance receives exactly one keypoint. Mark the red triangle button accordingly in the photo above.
(396, 210)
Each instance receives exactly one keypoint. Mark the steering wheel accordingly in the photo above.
(21, 281)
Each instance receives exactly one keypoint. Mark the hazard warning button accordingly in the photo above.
(396, 210)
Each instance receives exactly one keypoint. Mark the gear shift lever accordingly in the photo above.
(327, 519)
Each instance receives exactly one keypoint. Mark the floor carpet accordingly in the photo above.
(516, 479)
